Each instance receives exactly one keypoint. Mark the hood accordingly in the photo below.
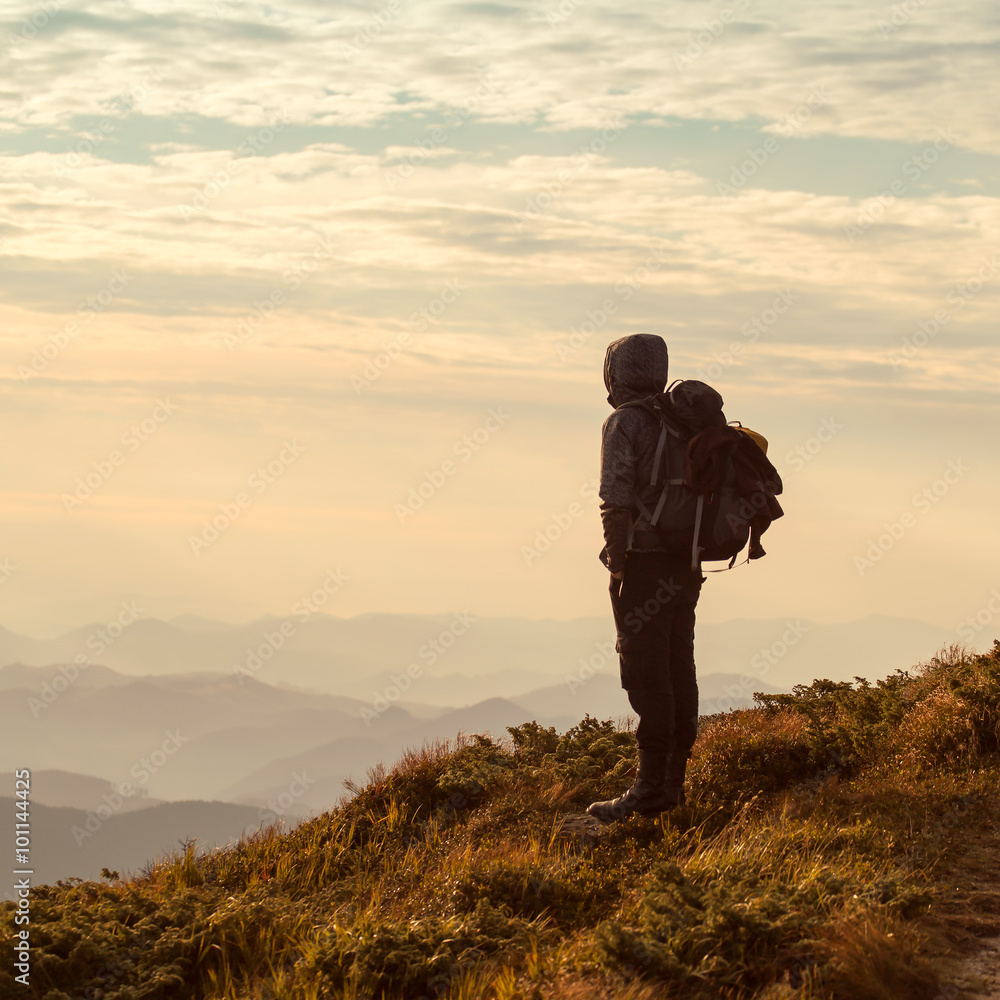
(635, 367)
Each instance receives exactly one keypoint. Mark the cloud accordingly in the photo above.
(561, 164)
(202, 237)
(679, 59)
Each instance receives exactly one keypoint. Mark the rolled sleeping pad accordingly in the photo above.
(758, 439)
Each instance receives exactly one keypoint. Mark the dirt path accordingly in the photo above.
(969, 916)
(979, 974)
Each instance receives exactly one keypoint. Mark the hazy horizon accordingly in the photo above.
(62, 630)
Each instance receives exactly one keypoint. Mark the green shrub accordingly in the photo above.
(737, 757)
(573, 896)
(416, 959)
(712, 932)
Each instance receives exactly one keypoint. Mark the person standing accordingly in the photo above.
(654, 589)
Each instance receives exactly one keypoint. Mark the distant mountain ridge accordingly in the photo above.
(66, 789)
(495, 657)
(228, 729)
(79, 843)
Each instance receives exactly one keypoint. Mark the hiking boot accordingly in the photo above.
(648, 796)
(675, 769)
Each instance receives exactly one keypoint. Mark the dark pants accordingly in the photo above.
(654, 618)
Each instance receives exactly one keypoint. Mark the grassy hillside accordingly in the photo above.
(824, 853)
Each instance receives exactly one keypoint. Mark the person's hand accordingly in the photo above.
(618, 575)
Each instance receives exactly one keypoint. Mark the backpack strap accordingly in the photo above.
(659, 453)
(695, 551)
(664, 427)
(726, 569)
(654, 515)
(662, 500)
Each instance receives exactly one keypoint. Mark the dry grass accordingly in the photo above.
(876, 958)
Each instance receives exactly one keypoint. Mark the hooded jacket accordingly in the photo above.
(634, 367)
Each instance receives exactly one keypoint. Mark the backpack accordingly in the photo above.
(718, 491)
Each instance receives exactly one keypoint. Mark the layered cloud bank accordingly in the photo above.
(363, 229)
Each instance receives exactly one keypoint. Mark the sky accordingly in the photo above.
(326, 289)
